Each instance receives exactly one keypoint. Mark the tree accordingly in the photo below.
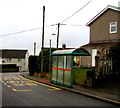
(45, 59)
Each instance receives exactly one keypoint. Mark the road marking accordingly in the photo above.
(5, 83)
(8, 86)
(17, 83)
(28, 82)
(14, 89)
(10, 78)
(21, 90)
(22, 77)
(55, 88)
(46, 85)
(5, 78)
(12, 81)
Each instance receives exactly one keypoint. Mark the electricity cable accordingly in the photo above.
(49, 25)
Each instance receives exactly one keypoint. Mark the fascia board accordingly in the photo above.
(99, 14)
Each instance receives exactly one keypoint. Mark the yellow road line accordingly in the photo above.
(12, 81)
(8, 86)
(46, 85)
(5, 83)
(53, 89)
(21, 90)
(5, 78)
(14, 89)
(22, 77)
(10, 78)
(41, 83)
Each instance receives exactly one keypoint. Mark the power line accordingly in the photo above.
(73, 15)
(50, 25)
(73, 25)
(76, 11)
(63, 24)
(19, 32)
(29, 30)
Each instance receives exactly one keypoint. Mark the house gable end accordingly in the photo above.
(102, 12)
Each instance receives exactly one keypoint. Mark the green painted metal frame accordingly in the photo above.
(71, 72)
(75, 54)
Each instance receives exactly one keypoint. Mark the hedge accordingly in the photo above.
(33, 65)
(45, 59)
(35, 62)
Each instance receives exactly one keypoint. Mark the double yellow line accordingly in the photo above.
(52, 88)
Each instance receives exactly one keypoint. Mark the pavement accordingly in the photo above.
(110, 94)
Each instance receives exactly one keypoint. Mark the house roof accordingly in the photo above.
(104, 10)
(99, 44)
(6, 53)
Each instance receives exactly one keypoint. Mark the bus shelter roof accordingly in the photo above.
(74, 52)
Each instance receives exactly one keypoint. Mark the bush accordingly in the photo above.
(35, 63)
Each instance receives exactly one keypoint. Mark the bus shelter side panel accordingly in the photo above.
(60, 69)
(67, 72)
(54, 68)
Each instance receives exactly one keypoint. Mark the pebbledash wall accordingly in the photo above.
(22, 63)
(104, 33)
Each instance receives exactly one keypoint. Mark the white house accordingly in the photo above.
(16, 57)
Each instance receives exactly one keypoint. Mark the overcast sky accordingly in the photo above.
(26, 15)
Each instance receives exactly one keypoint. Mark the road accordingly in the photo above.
(19, 91)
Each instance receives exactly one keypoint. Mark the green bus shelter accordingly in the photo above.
(62, 65)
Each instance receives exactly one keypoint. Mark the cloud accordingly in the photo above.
(20, 15)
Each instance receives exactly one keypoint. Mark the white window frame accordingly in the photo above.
(113, 24)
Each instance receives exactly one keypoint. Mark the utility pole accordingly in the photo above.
(42, 39)
(50, 57)
(34, 48)
(58, 34)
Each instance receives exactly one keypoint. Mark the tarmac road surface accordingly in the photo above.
(19, 91)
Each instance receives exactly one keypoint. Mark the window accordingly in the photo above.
(19, 60)
(113, 27)
(9, 59)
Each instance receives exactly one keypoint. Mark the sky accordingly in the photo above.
(21, 22)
